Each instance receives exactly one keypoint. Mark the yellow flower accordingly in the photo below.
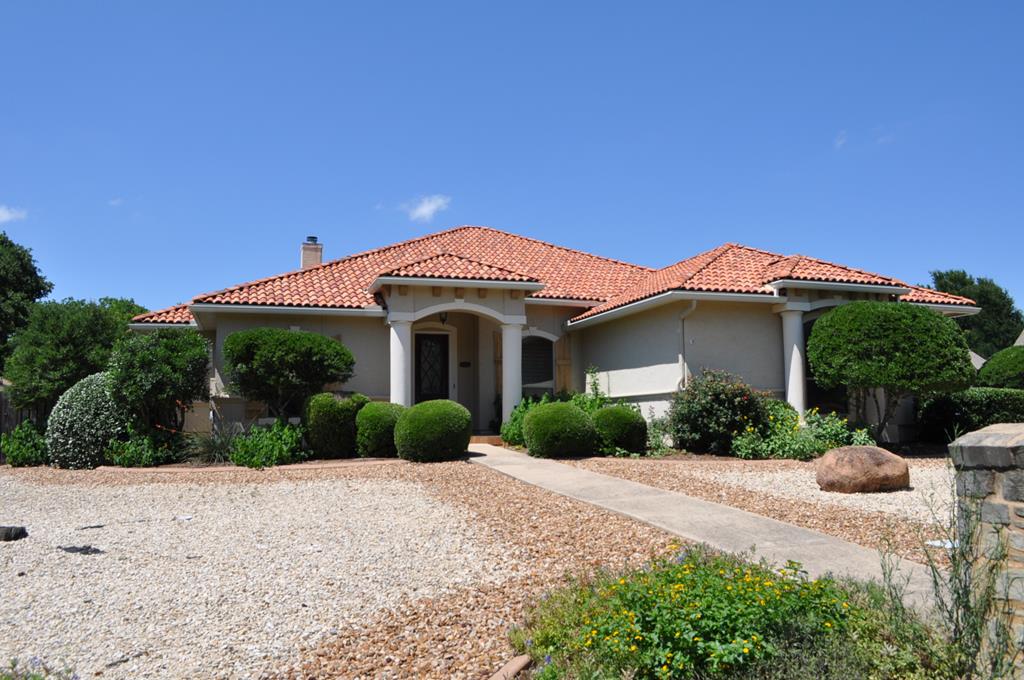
(828, 624)
(632, 648)
(746, 650)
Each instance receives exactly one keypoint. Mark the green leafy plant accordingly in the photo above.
(21, 285)
(155, 376)
(898, 349)
(697, 614)
(284, 368)
(24, 446)
(560, 429)
(713, 409)
(621, 428)
(82, 424)
(786, 438)
(432, 431)
(61, 343)
(279, 444)
(943, 416)
(375, 429)
(330, 424)
(1004, 369)
(144, 450)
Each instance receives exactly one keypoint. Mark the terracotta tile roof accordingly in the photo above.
(176, 314)
(922, 295)
(566, 273)
(733, 268)
(448, 266)
(489, 254)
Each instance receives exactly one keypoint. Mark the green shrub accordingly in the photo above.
(330, 424)
(590, 402)
(433, 431)
(621, 427)
(284, 368)
(156, 376)
(946, 417)
(262, 447)
(213, 447)
(785, 438)
(701, 614)
(82, 424)
(1004, 369)
(144, 450)
(560, 429)
(375, 429)
(24, 446)
(712, 410)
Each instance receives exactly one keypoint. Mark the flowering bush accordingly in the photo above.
(262, 447)
(82, 424)
(696, 613)
(712, 410)
(785, 438)
(24, 446)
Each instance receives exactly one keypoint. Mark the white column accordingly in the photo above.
(793, 358)
(511, 368)
(401, 362)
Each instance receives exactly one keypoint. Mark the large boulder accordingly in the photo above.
(858, 469)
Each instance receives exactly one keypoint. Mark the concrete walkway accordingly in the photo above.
(719, 526)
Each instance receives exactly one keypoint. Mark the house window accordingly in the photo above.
(538, 365)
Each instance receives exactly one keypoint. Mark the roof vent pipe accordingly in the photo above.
(312, 253)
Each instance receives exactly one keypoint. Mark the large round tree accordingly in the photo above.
(284, 368)
(898, 349)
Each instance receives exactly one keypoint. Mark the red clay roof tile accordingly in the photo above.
(448, 266)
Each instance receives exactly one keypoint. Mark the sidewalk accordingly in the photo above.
(719, 526)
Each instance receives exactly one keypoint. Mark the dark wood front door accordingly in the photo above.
(431, 366)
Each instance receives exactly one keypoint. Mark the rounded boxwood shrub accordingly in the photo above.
(1004, 369)
(375, 429)
(433, 430)
(621, 427)
(82, 424)
(559, 429)
(330, 424)
(24, 446)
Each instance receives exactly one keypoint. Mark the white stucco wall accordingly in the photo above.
(641, 357)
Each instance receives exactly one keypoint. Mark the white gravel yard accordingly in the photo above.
(223, 579)
(931, 484)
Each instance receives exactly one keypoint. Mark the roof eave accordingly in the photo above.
(839, 285)
(949, 309)
(668, 297)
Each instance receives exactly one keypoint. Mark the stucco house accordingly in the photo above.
(483, 317)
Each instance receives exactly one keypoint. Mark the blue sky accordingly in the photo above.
(160, 150)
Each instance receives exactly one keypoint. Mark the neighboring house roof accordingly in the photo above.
(976, 360)
(482, 253)
(1020, 340)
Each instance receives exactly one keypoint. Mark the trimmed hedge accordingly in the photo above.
(375, 429)
(1004, 369)
(433, 431)
(621, 427)
(559, 429)
(946, 417)
(330, 424)
(82, 424)
(24, 446)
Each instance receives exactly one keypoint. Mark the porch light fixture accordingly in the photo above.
(443, 316)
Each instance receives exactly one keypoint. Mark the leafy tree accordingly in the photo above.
(284, 368)
(1004, 369)
(63, 343)
(900, 349)
(999, 322)
(21, 284)
(156, 376)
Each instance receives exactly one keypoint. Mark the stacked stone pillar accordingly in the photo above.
(990, 471)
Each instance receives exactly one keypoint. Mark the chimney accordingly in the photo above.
(312, 253)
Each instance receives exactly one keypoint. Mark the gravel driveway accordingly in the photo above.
(218, 580)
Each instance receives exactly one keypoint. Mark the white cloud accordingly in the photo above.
(115, 202)
(9, 214)
(426, 207)
(840, 140)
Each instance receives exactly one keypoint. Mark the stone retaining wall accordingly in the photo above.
(990, 471)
